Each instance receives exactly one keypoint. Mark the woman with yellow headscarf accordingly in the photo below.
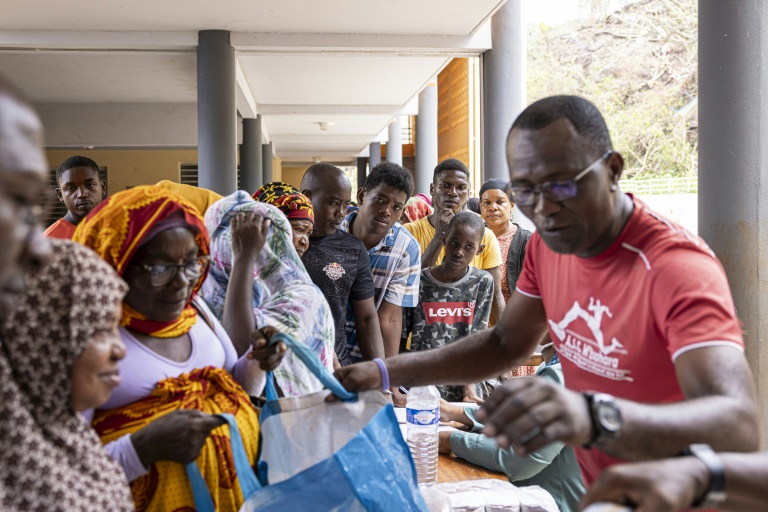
(179, 365)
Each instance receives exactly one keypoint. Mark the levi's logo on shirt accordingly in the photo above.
(448, 312)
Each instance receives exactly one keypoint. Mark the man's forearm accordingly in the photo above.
(477, 357)
(430, 254)
(657, 431)
(391, 329)
(745, 478)
(369, 337)
(238, 319)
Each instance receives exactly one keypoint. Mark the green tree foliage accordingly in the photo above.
(638, 65)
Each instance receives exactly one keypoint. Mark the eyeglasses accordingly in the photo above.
(553, 190)
(162, 275)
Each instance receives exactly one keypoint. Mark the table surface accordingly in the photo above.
(454, 469)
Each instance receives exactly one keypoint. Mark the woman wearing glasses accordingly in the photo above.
(180, 363)
(496, 209)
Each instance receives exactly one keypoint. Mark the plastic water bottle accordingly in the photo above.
(422, 412)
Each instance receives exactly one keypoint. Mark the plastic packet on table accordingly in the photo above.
(489, 495)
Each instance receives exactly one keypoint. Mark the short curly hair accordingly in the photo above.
(581, 113)
(470, 220)
(450, 164)
(393, 175)
(75, 161)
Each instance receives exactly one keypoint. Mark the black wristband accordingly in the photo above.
(589, 397)
(715, 492)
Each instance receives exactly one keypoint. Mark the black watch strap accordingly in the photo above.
(590, 398)
(715, 493)
(605, 415)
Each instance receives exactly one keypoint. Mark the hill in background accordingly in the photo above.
(639, 66)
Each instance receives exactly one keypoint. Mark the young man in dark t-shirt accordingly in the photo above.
(338, 263)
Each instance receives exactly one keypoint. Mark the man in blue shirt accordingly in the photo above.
(394, 253)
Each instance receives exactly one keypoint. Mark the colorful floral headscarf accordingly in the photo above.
(283, 293)
(119, 225)
(50, 458)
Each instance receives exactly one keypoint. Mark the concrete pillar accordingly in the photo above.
(362, 168)
(251, 176)
(426, 138)
(266, 162)
(374, 154)
(395, 142)
(504, 89)
(216, 112)
(733, 171)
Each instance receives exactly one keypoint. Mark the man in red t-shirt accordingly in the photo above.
(639, 310)
(80, 188)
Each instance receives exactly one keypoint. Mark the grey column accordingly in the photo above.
(362, 167)
(374, 154)
(733, 171)
(251, 177)
(426, 138)
(216, 112)
(266, 159)
(395, 142)
(504, 89)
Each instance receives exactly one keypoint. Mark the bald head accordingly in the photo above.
(322, 175)
(330, 191)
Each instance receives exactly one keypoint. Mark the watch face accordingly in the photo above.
(609, 417)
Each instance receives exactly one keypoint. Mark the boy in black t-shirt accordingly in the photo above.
(338, 263)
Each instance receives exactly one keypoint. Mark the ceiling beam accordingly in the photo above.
(246, 104)
(324, 138)
(321, 110)
(249, 43)
(107, 40)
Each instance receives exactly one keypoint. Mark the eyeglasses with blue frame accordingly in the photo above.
(553, 190)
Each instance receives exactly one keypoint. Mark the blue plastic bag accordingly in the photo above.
(373, 470)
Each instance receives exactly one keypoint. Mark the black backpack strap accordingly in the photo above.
(516, 256)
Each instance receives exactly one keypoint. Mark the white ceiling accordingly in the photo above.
(85, 77)
(356, 63)
(452, 17)
(329, 79)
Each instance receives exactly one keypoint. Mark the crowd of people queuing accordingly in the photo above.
(142, 315)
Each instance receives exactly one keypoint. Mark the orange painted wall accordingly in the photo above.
(453, 124)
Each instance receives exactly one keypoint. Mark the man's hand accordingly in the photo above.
(442, 222)
(529, 413)
(398, 399)
(178, 436)
(249, 234)
(360, 376)
(269, 357)
(470, 396)
(444, 446)
(659, 486)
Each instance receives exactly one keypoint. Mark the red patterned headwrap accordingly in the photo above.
(119, 225)
(296, 207)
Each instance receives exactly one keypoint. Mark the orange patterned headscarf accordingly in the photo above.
(119, 225)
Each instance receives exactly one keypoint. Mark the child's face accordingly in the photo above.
(462, 244)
